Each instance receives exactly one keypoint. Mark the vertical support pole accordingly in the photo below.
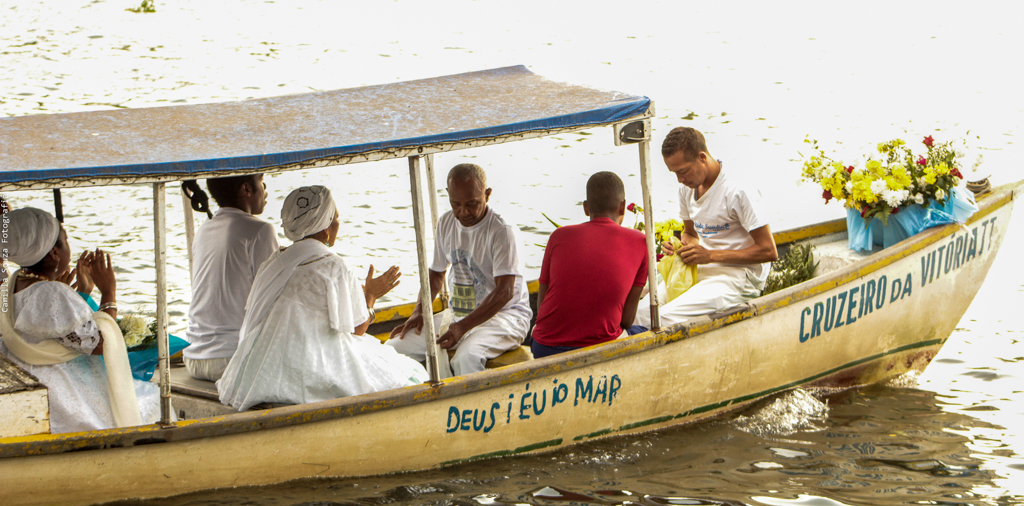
(426, 302)
(434, 216)
(160, 251)
(190, 227)
(645, 184)
(58, 205)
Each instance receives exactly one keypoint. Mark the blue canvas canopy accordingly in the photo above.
(300, 131)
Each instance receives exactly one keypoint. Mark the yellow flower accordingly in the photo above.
(900, 175)
(875, 167)
(942, 169)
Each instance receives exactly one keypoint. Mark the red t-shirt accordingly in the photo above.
(589, 270)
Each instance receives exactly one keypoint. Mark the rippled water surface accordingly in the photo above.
(756, 78)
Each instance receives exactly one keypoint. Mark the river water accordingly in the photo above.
(756, 78)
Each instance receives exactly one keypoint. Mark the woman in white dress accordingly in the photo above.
(49, 330)
(303, 338)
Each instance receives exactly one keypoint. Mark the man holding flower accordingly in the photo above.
(725, 235)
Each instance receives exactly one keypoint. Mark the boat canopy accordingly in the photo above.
(300, 131)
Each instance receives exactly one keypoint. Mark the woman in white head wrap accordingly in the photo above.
(303, 338)
(50, 331)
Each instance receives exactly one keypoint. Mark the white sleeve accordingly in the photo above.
(52, 310)
(264, 246)
(749, 213)
(684, 213)
(346, 305)
(440, 263)
(505, 252)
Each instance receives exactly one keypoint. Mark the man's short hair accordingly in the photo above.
(604, 193)
(225, 189)
(688, 140)
(468, 172)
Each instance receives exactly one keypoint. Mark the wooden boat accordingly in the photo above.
(863, 318)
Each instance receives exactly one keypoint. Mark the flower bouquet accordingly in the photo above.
(663, 230)
(137, 331)
(140, 339)
(918, 191)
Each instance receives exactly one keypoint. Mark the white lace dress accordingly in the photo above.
(306, 351)
(77, 389)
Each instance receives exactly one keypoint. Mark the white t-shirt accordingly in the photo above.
(226, 255)
(723, 218)
(477, 255)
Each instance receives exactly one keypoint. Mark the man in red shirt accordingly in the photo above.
(592, 274)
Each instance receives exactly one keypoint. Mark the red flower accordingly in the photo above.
(850, 169)
(660, 256)
(895, 210)
(928, 141)
(956, 172)
(827, 195)
(921, 161)
(863, 211)
(631, 207)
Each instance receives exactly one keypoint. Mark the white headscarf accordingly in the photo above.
(31, 234)
(306, 211)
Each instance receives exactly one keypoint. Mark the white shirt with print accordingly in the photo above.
(723, 218)
(477, 255)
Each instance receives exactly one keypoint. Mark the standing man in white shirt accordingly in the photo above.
(490, 301)
(726, 234)
(226, 254)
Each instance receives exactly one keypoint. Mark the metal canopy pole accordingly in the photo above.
(645, 184)
(426, 304)
(160, 251)
(190, 227)
(434, 216)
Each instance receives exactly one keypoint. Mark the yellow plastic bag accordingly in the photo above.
(678, 275)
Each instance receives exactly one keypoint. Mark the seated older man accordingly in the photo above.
(51, 332)
(489, 297)
(304, 333)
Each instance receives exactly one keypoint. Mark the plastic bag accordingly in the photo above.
(910, 220)
(678, 275)
(144, 361)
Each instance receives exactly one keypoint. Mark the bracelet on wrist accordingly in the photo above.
(108, 305)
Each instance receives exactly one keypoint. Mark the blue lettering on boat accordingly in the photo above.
(601, 390)
(850, 306)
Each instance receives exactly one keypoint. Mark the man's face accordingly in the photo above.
(690, 173)
(468, 200)
(259, 197)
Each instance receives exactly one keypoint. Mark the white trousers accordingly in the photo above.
(718, 287)
(482, 343)
(210, 369)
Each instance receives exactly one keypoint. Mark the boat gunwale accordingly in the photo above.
(452, 387)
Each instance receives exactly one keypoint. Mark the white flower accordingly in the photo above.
(878, 186)
(919, 199)
(849, 187)
(134, 328)
(894, 197)
(828, 172)
(940, 195)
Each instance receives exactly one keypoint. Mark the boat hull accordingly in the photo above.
(906, 301)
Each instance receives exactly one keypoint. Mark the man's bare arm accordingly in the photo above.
(504, 290)
(629, 310)
(415, 321)
(763, 250)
